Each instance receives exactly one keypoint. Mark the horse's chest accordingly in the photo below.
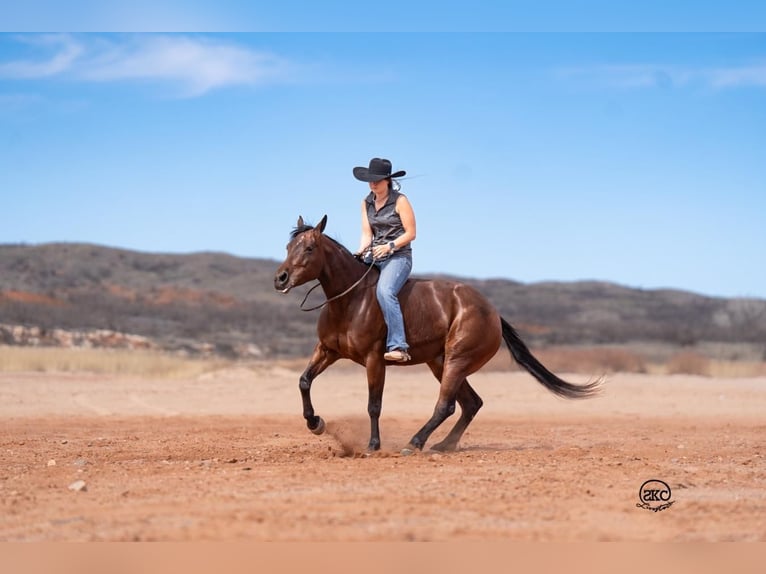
(353, 337)
(335, 341)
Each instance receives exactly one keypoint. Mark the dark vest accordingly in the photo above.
(385, 223)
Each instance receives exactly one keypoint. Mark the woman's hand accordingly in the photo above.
(381, 251)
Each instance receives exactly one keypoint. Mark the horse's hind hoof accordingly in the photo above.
(319, 429)
(406, 451)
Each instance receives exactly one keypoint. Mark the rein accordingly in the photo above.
(338, 296)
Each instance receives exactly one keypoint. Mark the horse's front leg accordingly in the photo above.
(321, 358)
(376, 379)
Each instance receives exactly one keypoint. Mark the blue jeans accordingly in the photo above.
(393, 275)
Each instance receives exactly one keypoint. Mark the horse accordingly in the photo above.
(449, 325)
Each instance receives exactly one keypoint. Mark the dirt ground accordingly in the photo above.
(227, 456)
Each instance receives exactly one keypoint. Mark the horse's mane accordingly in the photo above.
(306, 227)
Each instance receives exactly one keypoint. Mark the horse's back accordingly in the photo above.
(451, 296)
(451, 310)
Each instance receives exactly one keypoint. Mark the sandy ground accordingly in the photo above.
(226, 456)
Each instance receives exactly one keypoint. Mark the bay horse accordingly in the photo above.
(449, 326)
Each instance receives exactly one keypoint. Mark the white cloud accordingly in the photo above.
(739, 76)
(197, 65)
(659, 76)
(191, 64)
(67, 51)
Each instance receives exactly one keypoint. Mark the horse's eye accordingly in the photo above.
(309, 248)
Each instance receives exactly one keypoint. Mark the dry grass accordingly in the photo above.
(609, 360)
(583, 360)
(592, 360)
(737, 369)
(588, 361)
(691, 363)
(98, 361)
(688, 363)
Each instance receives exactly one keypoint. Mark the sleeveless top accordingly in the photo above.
(385, 223)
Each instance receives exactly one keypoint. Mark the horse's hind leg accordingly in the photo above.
(470, 403)
(451, 381)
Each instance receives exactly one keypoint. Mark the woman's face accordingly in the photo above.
(379, 186)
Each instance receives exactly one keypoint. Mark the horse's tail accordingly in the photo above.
(524, 357)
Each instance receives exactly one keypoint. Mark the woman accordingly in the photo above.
(388, 228)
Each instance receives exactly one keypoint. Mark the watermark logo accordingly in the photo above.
(654, 495)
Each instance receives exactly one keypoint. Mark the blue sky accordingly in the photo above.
(636, 158)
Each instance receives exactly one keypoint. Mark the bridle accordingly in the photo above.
(334, 297)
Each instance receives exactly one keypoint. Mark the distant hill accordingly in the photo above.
(214, 303)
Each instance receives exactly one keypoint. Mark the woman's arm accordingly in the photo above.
(366, 240)
(407, 215)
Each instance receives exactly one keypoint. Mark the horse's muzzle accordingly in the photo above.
(282, 282)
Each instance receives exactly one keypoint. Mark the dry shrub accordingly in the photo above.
(592, 360)
(689, 363)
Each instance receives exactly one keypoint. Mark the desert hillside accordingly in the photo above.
(216, 304)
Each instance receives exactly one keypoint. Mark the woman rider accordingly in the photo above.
(388, 228)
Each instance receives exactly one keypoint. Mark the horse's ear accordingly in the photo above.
(321, 224)
(300, 221)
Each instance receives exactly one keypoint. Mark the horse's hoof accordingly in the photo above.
(319, 429)
(406, 451)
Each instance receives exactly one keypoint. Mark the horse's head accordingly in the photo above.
(304, 260)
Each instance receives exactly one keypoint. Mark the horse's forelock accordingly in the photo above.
(300, 229)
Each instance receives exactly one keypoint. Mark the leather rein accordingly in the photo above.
(334, 297)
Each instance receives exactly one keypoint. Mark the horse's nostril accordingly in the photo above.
(281, 278)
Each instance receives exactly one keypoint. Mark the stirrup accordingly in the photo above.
(398, 356)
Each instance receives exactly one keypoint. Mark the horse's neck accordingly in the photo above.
(340, 271)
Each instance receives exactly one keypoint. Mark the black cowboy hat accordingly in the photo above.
(379, 169)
